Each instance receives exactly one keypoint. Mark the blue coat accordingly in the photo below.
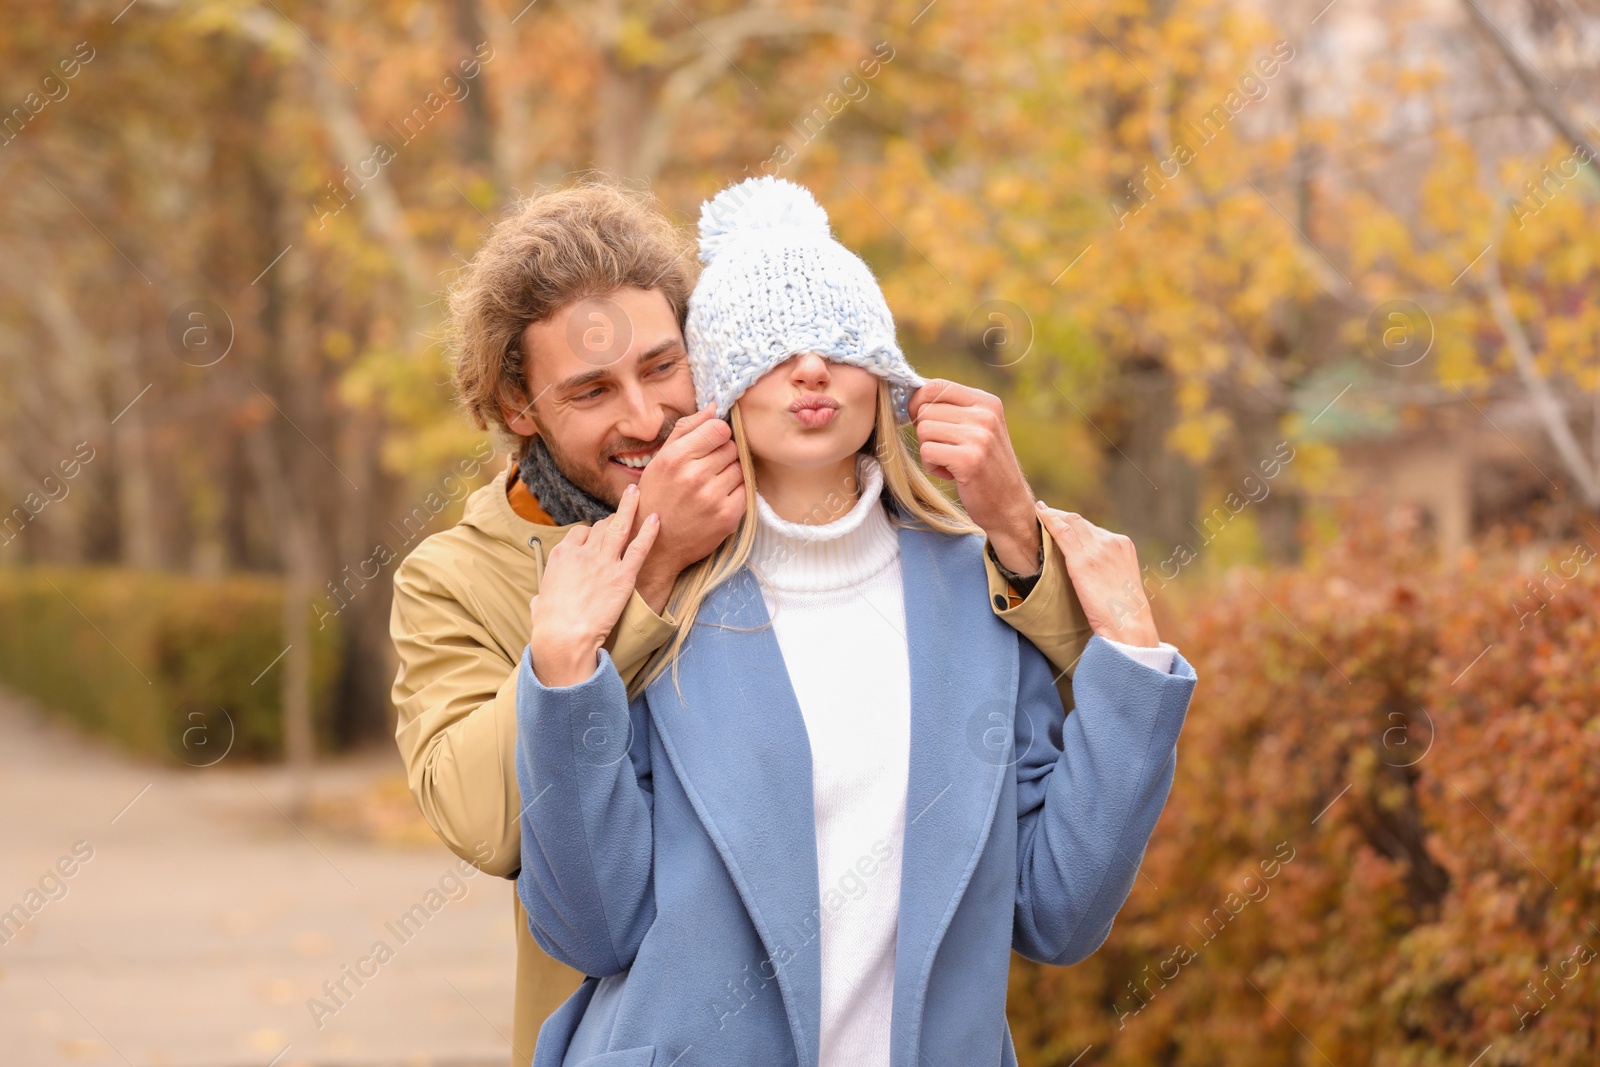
(669, 848)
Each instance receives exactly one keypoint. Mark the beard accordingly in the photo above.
(592, 477)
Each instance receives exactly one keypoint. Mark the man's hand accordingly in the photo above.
(1104, 568)
(587, 582)
(694, 483)
(964, 439)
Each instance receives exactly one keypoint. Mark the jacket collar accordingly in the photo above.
(492, 510)
(737, 741)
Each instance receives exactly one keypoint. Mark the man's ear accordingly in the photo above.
(520, 420)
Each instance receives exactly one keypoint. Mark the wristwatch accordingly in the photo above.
(1023, 584)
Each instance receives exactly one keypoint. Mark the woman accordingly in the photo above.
(845, 791)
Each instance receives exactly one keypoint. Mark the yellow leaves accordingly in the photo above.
(1196, 435)
(1419, 78)
(337, 345)
(1192, 395)
(637, 45)
(1569, 337)
(1453, 200)
(1316, 463)
(1454, 354)
(238, 19)
(409, 390)
(1198, 430)
(1009, 191)
(1380, 238)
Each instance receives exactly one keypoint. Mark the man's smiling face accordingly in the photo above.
(607, 376)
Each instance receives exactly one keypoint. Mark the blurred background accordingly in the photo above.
(1304, 297)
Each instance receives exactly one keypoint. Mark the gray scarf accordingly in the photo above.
(561, 500)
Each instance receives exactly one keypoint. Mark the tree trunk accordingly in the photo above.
(477, 135)
(1153, 489)
(130, 448)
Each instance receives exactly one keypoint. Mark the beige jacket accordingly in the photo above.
(460, 624)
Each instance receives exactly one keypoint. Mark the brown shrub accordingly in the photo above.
(1426, 742)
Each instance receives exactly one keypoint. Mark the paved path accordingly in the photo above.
(203, 921)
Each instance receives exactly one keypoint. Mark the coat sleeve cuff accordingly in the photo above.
(594, 712)
(527, 677)
(1051, 615)
(1021, 584)
(1157, 659)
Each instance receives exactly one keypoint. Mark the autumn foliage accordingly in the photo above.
(1382, 843)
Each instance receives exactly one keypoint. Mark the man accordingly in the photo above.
(568, 335)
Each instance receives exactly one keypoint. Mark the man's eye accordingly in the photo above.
(589, 394)
(663, 367)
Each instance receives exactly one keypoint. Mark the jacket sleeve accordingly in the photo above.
(1050, 616)
(638, 634)
(583, 762)
(1090, 787)
(455, 703)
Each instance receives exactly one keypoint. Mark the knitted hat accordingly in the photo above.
(776, 284)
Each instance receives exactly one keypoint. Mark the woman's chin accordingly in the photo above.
(808, 449)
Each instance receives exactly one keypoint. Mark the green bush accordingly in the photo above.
(139, 658)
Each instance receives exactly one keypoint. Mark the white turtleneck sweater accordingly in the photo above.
(835, 595)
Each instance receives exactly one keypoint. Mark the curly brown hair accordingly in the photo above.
(587, 239)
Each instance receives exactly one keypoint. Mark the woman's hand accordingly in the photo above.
(1104, 568)
(587, 582)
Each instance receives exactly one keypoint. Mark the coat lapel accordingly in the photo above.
(738, 743)
(963, 702)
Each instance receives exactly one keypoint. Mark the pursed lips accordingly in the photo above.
(814, 412)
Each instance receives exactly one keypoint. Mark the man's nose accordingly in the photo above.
(644, 414)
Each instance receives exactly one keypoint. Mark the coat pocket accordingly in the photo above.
(643, 1056)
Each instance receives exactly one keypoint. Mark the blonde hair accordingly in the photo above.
(588, 239)
(918, 503)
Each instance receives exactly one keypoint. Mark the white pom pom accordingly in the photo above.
(755, 205)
